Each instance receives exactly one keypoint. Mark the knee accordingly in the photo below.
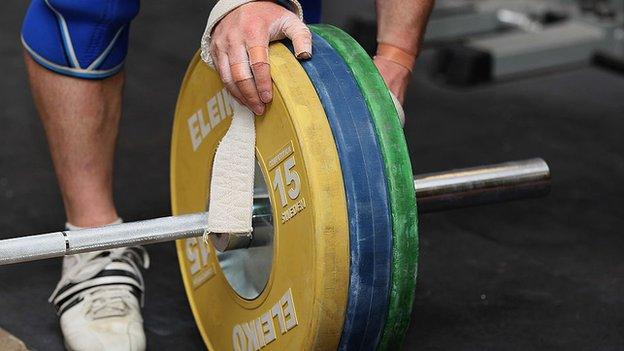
(105, 13)
(84, 39)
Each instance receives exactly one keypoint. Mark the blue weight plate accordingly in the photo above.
(370, 226)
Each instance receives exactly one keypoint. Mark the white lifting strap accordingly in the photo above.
(231, 186)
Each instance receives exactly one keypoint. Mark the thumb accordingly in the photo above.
(294, 29)
(399, 109)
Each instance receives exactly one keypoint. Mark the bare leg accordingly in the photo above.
(81, 119)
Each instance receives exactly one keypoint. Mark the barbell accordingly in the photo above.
(331, 263)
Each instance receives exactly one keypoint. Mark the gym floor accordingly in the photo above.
(543, 274)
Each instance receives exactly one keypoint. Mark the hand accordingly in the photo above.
(396, 76)
(239, 49)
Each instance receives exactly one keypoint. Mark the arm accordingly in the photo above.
(400, 29)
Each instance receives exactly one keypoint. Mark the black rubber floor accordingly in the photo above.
(543, 274)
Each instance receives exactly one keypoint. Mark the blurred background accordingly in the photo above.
(497, 80)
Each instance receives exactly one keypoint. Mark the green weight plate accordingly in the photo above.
(399, 179)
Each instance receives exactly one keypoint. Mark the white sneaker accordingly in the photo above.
(99, 300)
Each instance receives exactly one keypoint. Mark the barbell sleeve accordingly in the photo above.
(482, 185)
(434, 192)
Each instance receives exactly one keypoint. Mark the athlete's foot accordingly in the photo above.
(99, 300)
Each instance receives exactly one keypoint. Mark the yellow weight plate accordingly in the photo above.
(302, 305)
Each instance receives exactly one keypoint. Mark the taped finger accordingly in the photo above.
(300, 36)
(261, 69)
(248, 89)
(223, 67)
(240, 71)
(258, 54)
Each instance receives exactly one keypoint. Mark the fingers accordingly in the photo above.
(244, 79)
(300, 35)
(259, 59)
(222, 64)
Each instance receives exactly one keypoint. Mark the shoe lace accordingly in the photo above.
(107, 302)
(90, 264)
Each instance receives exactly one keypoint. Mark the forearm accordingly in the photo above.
(400, 29)
(402, 23)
